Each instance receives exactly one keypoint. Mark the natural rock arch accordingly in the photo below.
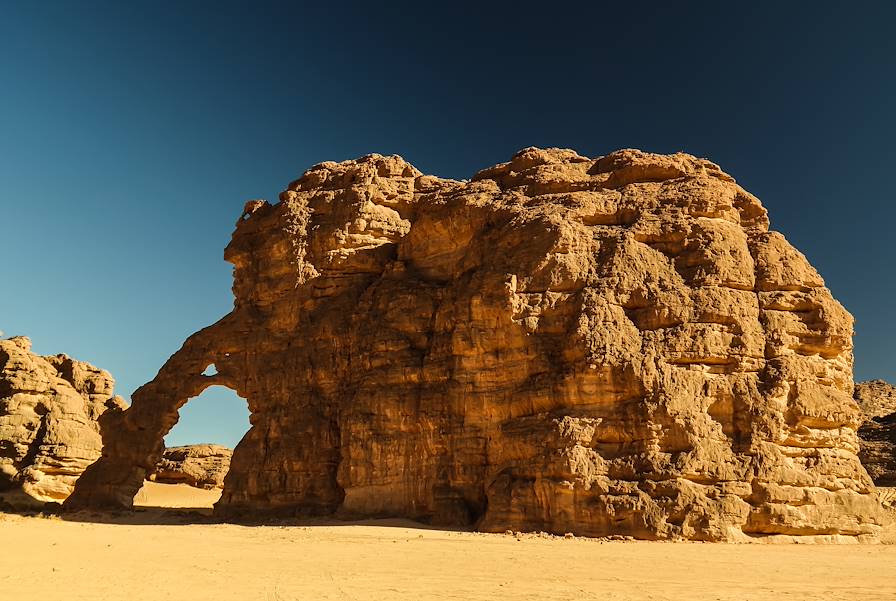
(133, 439)
(597, 346)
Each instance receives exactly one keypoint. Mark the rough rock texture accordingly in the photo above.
(50, 409)
(877, 400)
(200, 465)
(598, 346)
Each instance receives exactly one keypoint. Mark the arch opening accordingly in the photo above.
(197, 453)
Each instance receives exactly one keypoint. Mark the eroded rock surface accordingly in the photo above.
(597, 346)
(877, 400)
(199, 465)
(50, 415)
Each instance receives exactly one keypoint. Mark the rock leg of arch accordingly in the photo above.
(133, 438)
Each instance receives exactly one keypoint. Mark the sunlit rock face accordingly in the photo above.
(50, 419)
(598, 346)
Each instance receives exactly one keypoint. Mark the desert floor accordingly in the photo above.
(163, 554)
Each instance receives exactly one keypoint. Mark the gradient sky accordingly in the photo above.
(131, 134)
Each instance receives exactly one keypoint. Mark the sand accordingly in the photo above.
(176, 496)
(158, 554)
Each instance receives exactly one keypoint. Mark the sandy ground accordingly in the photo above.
(157, 554)
(176, 496)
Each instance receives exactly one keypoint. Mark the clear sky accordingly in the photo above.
(131, 133)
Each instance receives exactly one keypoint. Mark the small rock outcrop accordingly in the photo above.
(877, 400)
(609, 346)
(51, 411)
(199, 465)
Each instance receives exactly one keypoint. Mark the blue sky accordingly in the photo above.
(132, 133)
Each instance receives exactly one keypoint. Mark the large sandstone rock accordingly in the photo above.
(877, 400)
(50, 415)
(199, 465)
(598, 346)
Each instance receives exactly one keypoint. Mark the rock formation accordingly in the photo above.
(199, 465)
(877, 400)
(597, 346)
(50, 415)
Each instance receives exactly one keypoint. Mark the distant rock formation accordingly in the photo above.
(50, 416)
(199, 465)
(877, 400)
(595, 346)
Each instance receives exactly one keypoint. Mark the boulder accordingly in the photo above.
(199, 465)
(610, 346)
(51, 411)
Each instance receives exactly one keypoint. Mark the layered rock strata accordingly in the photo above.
(877, 400)
(600, 346)
(51, 412)
(199, 465)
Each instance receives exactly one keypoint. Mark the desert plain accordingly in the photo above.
(164, 551)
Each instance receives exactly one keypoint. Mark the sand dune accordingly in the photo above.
(154, 494)
(154, 554)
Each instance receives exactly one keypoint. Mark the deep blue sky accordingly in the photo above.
(132, 133)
